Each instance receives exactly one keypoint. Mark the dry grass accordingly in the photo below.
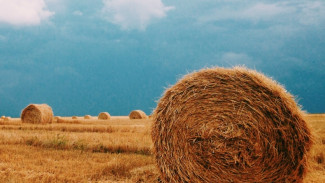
(48, 153)
(316, 173)
(22, 163)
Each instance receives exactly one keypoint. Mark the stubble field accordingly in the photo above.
(91, 150)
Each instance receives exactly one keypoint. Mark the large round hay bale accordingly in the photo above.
(37, 113)
(229, 125)
(137, 114)
(104, 116)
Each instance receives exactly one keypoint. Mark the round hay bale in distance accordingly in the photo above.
(137, 114)
(104, 116)
(74, 117)
(37, 113)
(56, 118)
(229, 125)
(3, 117)
(7, 118)
(87, 117)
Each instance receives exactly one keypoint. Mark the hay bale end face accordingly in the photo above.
(229, 125)
(87, 117)
(104, 116)
(37, 113)
(138, 114)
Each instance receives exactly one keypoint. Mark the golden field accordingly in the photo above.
(91, 150)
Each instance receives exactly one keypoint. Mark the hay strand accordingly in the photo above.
(229, 125)
(37, 113)
(138, 114)
(104, 116)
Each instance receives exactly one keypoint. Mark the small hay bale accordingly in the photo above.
(87, 117)
(37, 113)
(7, 118)
(104, 116)
(229, 125)
(3, 117)
(56, 118)
(74, 117)
(138, 114)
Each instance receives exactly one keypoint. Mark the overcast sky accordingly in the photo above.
(85, 57)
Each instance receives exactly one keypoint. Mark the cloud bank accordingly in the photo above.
(23, 12)
(134, 14)
(303, 12)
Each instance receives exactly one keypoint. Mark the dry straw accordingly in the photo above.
(87, 117)
(229, 125)
(138, 114)
(37, 113)
(104, 115)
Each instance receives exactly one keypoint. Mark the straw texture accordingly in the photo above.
(229, 125)
(37, 113)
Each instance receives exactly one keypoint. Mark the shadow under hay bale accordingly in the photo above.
(229, 125)
(104, 116)
(138, 114)
(37, 113)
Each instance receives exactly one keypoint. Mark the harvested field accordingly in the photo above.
(116, 150)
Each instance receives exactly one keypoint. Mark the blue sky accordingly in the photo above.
(85, 57)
